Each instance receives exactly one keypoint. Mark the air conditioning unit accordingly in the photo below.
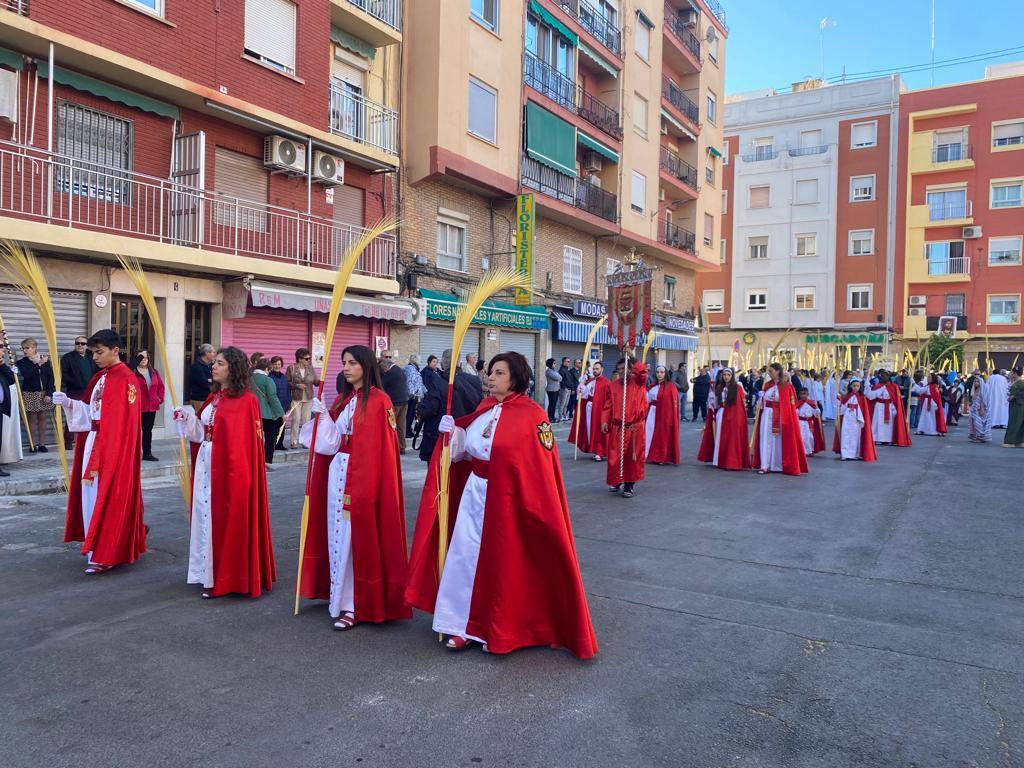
(661, 195)
(916, 311)
(593, 162)
(918, 301)
(972, 233)
(281, 154)
(328, 169)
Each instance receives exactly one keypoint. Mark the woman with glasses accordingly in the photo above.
(302, 379)
(151, 387)
(37, 389)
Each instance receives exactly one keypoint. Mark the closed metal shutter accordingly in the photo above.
(435, 339)
(22, 320)
(560, 349)
(270, 31)
(270, 331)
(350, 331)
(349, 205)
(523, 343)
(242, 177)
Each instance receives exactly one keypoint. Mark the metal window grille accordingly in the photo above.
(95, 153)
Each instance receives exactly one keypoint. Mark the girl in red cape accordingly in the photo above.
(599, 390)
(811, 434)
(635, 440)
(230, 547)
(355, 555)
(853, 438)
(104, 509)
(932, 418)
(888, 418)
(777, 445)
(724, 439)
(511, 577)
(663, 420)
(579, 433)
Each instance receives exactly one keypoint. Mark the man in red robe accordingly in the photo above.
(602, 391)
(627, 437)
(104, 509)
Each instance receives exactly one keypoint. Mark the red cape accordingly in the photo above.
(636, 433)
(815, 424)
(867, 440)
(377, 507)
(598, 439)
(940, 412)
(794, 460)
(117, 533)
(665, 441)
(578, 434)
(733, 448)
(243, 548)
(900, 431)
(528, 590)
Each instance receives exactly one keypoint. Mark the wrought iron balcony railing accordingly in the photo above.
(545, 79)
(19, 7)
(388, 11)
(591, 19)
(569, 189)
(682, 30)
(675, 96)
(364, 120)
(805, 151)
(679, 168)
(676, 237)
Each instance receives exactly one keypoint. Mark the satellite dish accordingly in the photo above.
(710, 35)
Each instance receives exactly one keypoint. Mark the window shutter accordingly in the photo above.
(243, 177)
(270, 30)
(1008, 130)
(759, 197)
(349, 205)
(863, 134)
(639, 191)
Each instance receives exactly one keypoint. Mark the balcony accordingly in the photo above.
(806, 151)
(950, 211)
(932, 322)
(678, 168)
(682, 27)
(677, 237)
(358, 118)
(718, 12)
(378, 22)
(603, 30)
(569, 190)
(59, 190)
(545, 79)
(19, 7)
(952, 153)
(951, 265)
(760, 154)
(674, 95)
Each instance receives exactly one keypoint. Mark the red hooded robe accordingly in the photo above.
(814, 422)
(896, 413)
(867, 440)
(599, 439)
(733, 447)
(665, 441)
(528, 590)
(117, 533)
(636, 427)
(794, 460)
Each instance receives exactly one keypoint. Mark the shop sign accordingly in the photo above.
(589, 308)
(235, 300)
(846, 338)
(524, 245)
(593, 308)
(503, 317)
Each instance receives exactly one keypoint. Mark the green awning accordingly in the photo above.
(503, 314)
(11, 59)
(644, 20)
(107, 91)
(598, 59)
(597, 146)
(670, 279)
(550, 139)
(351, 43)
(714, 151)
(679, 126)
(548, 18)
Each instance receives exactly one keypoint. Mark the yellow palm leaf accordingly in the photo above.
(586, 367)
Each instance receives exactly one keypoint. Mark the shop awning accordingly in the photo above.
(597, 146)
(550, 139)
(504, 314)
(11, 59)
(598, 59)
(286, 297)
(677, 341)
(107, 91)
(549, 18)
(569, 328)
(679, 126)
(351, 43)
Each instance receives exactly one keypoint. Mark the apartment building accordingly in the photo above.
(961, 215)
(808, 243)
(607, 115)
(236, 149)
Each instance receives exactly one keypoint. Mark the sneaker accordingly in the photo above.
(627, 492)
(42, 449)
(613, 488)
(4, 474)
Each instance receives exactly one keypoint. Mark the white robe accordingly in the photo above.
(853, 424)
(816, 392)
(455, 592)
(652, 396)
(80, 417)
(880, 431)
(200, 543)
(719, 416)
(10, 443)
(997, 390)
(927, 418)
(769, 443)
(828, 409)
(806, 430)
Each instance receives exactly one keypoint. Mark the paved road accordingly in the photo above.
(866, 615)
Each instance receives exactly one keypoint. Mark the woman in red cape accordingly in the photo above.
(777, 444)
(511, 577)
(230, 546)
(663, 420)
(724, 439)
(600, 390)
(845, 436)
(104, 509)
(931, 415)
(355, 555)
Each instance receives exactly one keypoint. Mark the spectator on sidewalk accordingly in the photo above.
(151, 389)
(682, 382)
(200, 375)
(9, 450)
(564, 391)
(414, 381)
(77, 369)
(394, 385)
(573, 381)
(37, 389)
(701, 389)
(284, 396)
(302, 379)
(271, 410)
(552, 388)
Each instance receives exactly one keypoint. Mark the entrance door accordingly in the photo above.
(197, 331)
(189, 171)
(129, 319)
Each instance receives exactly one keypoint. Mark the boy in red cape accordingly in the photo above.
(777, 445)
(663, 423)
(811, 433)
(600, 390)
(104, 509)
(853, 438)
(888, 419)
(635, 438)
(724, 438)
(514, 580)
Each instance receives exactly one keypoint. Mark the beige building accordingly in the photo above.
(608, 115)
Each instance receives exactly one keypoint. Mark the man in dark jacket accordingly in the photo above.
(392, 378)
(200, 374)
(466, 396)
(701, 390)
(77, 369)
(572, 381)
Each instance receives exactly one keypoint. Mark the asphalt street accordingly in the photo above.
(864, 615)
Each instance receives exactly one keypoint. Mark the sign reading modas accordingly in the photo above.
(525, 225)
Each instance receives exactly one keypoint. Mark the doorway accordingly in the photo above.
(128, 318)
(197, 331)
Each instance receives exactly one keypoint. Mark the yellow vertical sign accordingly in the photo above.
(524, 244)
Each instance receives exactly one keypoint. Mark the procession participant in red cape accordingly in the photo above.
(811, 433)
(355, 555)
(724, 438)
(888, 419)
(777, 445)
(662, 420)
(599, 390)
(626, 437)
(579, 432)
(931, 419)
(105, 498)
(511, 577)
(230, 545)
(853, 438)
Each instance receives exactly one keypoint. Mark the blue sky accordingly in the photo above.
(772, 43)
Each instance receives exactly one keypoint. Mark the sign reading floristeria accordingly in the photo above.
(524, 244)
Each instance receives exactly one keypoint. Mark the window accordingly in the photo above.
(709, 229)
(858, 297)
(712, 108)
(451, 245)
(642, 38)
(553, 49)
(102, 145)
(759, 197)
(1004, 310)
(946, 258)
(709, 170)
(757, 299)
(1006, 194)
(806, 191)
(810, 139)
(483, 111)
(807, 245)
(485, 12)
(947, 204)
(670, 291)
(610, 265)
(955, 304)
(764, 148)
(156, 6)
(721, 252)
(640, 114)
(1008, 134)
(862, 242)
(714, 301)
(1004, 251)
(270, 33)
(862, 188)
(240, 182)
(803, 297)
(758, 247)
(638, 199)
(863, 135)
(725, 153)
(713, 48)
(572, 270)
(949, 146)
(725, 203)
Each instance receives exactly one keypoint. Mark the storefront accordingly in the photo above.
(71, 309)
